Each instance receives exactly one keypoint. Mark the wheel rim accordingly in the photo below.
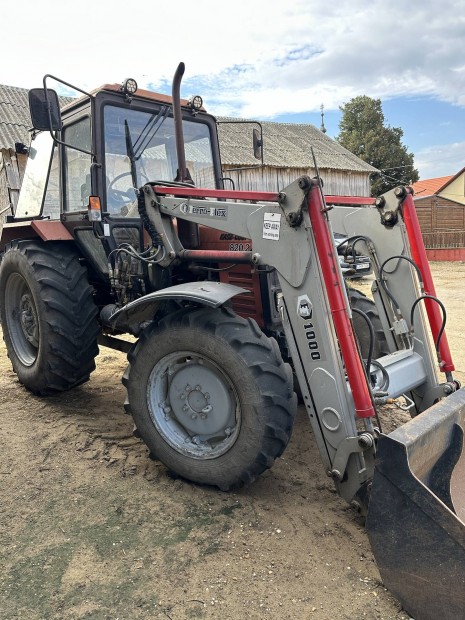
(193, 405)
(22, 319)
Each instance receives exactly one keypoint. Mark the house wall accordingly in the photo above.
(271, 179)
(455, 190)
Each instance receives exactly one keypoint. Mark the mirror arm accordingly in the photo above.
(49, 110)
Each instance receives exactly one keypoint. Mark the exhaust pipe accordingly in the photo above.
(183, 174)
(188, 231)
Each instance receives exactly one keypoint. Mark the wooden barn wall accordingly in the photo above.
(4, 195)
(12, 166)
(442, 222)
(275, 179)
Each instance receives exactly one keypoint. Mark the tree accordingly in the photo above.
(362, 131)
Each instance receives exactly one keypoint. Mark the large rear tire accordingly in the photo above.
(48, 315)
(211, 396)
(361, 302)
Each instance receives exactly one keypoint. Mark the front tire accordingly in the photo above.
(48, 316)
(211, 396)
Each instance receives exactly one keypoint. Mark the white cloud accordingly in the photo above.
(260, 58)
(440, 160)
(305, 52)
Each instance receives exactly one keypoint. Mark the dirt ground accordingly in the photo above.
(90, 527)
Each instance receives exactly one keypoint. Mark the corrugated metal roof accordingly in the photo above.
(286, 145)
(14, 117)
(15, 121)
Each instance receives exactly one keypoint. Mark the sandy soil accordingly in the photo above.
(90, 527)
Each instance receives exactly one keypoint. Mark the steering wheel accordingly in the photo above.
(117, 197)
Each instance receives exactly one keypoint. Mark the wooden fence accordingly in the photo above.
(444, 239)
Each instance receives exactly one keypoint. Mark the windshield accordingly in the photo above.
(142, 145)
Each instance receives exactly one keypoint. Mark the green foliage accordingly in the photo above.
(362, 131)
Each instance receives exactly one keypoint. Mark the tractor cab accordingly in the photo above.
(110, 142)
(88, 161)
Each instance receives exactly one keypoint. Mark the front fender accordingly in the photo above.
(212, 294)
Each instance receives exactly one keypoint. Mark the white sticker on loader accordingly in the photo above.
(271, 225)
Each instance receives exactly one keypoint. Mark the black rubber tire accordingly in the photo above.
(360, 301)
(48, 315)
(243, 358)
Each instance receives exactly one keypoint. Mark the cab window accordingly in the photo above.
(77, 165)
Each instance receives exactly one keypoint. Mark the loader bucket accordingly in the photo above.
(416, 515)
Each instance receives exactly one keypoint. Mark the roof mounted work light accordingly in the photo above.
(129, 87)
(195, 103)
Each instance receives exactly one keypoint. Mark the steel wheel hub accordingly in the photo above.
(193, 405)
(28, 320)
(22, 321)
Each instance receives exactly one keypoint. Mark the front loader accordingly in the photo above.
(233, 299)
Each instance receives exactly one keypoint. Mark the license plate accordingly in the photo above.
(362, 266)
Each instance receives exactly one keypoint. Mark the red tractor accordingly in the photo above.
(233, 300)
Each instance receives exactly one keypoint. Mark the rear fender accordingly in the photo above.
(47, 230)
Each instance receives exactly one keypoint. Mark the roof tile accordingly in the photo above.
(429, 187)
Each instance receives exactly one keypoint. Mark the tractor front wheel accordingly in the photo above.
(211, 396)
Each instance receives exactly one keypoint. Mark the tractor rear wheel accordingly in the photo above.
(211, 396)
(48, 316)
(361, 302)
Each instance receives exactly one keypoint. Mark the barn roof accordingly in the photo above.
(286, 145)
(15, 121)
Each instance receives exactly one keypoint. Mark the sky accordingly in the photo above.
(263, 59)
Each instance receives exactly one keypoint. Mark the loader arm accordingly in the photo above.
(291, 231)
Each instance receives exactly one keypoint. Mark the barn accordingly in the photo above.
(289, 151)
(15, 123)
(15, 138)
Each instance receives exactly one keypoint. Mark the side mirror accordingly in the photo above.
(257, 144)
(45, 109)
